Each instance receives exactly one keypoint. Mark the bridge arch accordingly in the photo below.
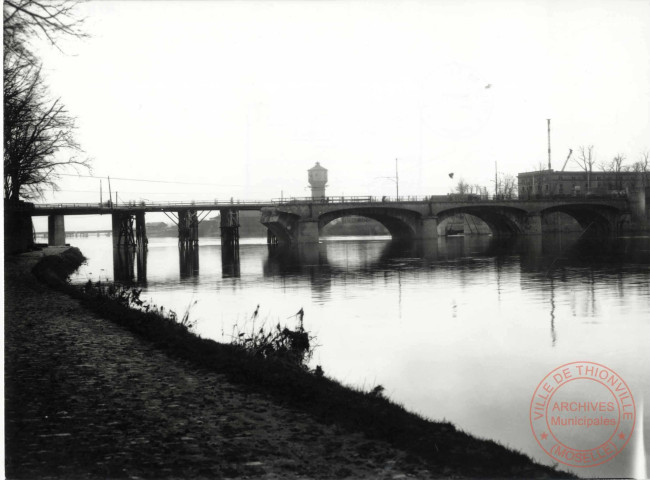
(599, 219)
(502, 221)
(402, 224)
(281, 224)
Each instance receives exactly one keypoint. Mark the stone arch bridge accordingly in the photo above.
(299, 222)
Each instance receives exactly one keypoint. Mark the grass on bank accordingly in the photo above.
(444, 449)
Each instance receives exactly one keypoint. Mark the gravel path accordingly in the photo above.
(87, 399)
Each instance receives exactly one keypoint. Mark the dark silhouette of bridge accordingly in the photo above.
(299, 220)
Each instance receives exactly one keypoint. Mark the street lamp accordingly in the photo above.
(396, 180)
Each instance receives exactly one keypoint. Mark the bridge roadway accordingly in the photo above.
(133, 207)
(299, 220)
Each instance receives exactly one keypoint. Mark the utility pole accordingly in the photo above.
(110, 194)
(116, 199)
(548, 127)
(496, 181)
(396, 179)
(100, 192)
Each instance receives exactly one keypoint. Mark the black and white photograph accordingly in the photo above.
(328, 239)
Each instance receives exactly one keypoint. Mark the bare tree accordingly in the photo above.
(507, 185)
(36, 133)
(37, 130)
(540, 167)
(25, 19)
(462, 187)
(586, 160)
(616, 166)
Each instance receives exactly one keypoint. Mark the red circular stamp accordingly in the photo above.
(582, 414)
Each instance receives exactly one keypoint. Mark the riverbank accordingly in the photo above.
(86, 398)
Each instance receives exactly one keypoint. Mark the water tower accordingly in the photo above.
(317, 180)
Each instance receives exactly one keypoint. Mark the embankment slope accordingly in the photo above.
(91, 398)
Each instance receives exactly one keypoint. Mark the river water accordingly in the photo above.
(463, 329)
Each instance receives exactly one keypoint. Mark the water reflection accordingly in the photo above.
(461, 328)
(188, 259)
(552, 314)
(124, 264)
(230, 264)
(302, 259)
(127, 261)
(546, 257)
(365, 257)
(141, 259)
(306, 261)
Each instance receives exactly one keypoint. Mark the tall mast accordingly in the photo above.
(110, 194)
(396, 180)
(548, 127)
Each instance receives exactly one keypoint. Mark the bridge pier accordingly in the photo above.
(532, 224)
(188, 228)
(229, 227)
(271, 239)
(638, 207)
(55, 230)
(140, 230)
(429, 230)
(308, 231)
(122, 224)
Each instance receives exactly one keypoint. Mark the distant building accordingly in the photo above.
(317, 176)
(548, 183)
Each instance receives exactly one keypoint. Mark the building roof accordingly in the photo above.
(578, 172)
(317, 167)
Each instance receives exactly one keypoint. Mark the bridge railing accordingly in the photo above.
(334, 199)
(216, 204)
(130, 204)
(381, 199)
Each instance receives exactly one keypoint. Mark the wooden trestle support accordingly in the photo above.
(188, 228)
(141, 239)
(229, 227)
(124, 235)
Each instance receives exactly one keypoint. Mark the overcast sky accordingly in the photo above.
(240, 98)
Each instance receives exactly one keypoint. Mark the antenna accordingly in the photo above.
(396, 180)
(110, 194)
(548, 126)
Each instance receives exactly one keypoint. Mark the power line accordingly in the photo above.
(154, 181)
(131, 191)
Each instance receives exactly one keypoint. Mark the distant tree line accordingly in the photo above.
(505, 186)
(38, 130)
(586, 160)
